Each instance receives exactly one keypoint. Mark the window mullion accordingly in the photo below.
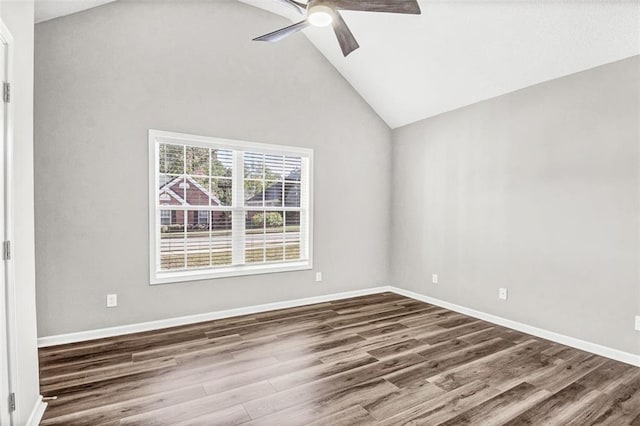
(304, 211)
(237, 200)
(185, 215)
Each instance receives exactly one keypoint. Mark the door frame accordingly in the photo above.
(9, 377)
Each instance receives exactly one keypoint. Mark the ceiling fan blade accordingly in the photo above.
(283, 32)
(299, 7)
(389, 6)
(346, 39)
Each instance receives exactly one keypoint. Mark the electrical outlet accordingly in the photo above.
(434, 278)
(637, 322)
(502, 293)
(318, 277)
(112, 300)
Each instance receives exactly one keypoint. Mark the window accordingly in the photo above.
(165, 217)
(222, 208)
(203, 217)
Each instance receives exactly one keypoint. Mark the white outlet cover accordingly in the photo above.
(112, 300)
(503, 294)
(318, 277)
(637, 322)
(434, 278)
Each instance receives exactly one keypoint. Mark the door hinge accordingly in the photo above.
(12, 402)
(6, 92)
(6, 250)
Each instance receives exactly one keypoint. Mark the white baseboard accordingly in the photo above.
(37, 412)
(594, 348)
(192, 319)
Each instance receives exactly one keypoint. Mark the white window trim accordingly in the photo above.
(156, 276)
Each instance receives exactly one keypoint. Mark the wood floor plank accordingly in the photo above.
(558, 408)
(317, 372)
(322, 407)
(501, 408)
(111, 412)
(323, 387)
(403, 399)
(122, 388)
(248, 376)
(53, 384)
(184, 347)
(373, 343)
(382, 330)
(566, 372)
(200, 406)
(231, 416)
(492, 333)
(446, 361)
(620, 406)
(382, 359)
(443, 407)
(354, 415)
(496, 368)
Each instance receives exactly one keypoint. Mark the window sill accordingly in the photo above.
(169, 277)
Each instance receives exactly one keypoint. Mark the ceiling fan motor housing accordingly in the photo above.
(320, 15)
(326, 3)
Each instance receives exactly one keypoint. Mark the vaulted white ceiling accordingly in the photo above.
(49, 9)
(459, 52)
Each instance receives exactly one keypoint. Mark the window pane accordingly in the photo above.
(221, 192)
(166, 195)
(292, 235)
(179, 187)
(253, 193)
(292, 168)
(274, 236)
(172, 242)
(197, 191)
(221, 163)
(253, 165)
(292, 194)
(171, 159)
(198, 239)
(273, 167)
(197, 161)
(254, 236)
(221, 238)
(273, 194)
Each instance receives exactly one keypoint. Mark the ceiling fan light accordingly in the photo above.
(320, 16)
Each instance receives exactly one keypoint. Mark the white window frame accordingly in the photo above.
(158, 276)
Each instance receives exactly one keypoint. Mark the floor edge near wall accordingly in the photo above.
(37, 412)
(82, 336)
(594, 348)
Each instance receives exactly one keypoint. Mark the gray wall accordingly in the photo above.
(536, 191)
(18, 17)
(106, 75)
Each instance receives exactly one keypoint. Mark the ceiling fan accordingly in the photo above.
(321, 13)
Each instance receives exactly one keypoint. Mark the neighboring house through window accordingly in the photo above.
(223, 208)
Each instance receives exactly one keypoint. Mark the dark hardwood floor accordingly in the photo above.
(381, 359)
